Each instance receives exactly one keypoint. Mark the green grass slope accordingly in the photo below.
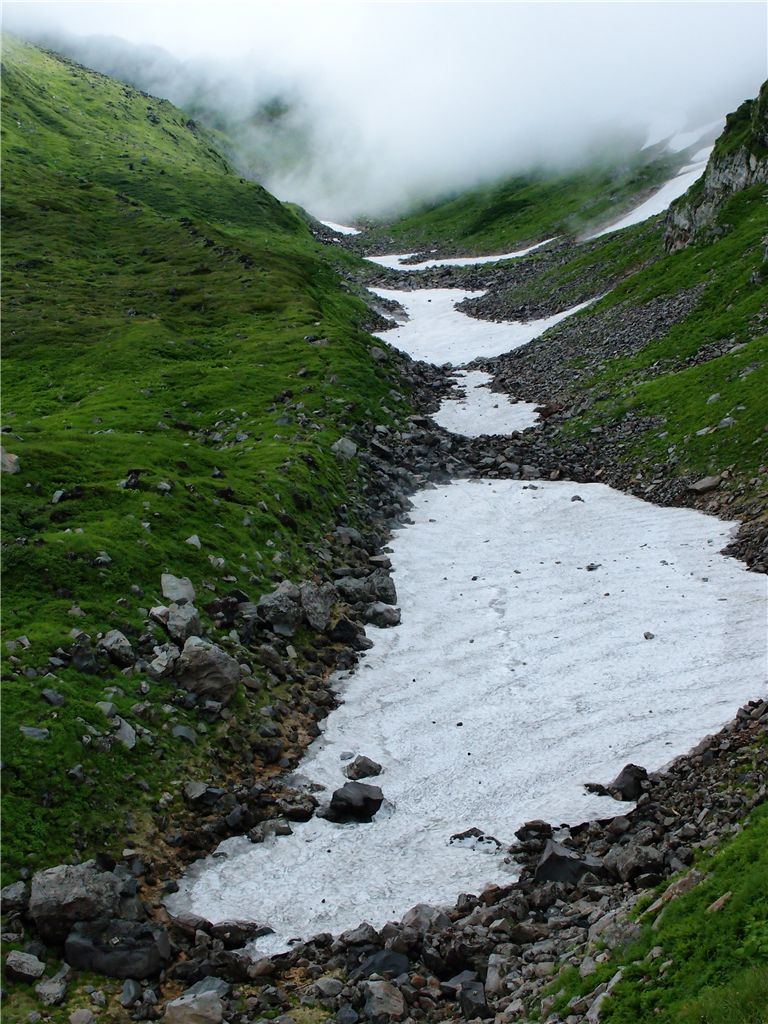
(697, 963)
(156, 308)
(528, 208)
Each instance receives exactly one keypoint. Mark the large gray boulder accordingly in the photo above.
(23, 966)
(68, 893)
(206, 670)
(558, 863)
(195, 1008)
(282, 609)
(119, 949)
(317, 602)
(383, 1002)
(177, 588)
(381, 615)
(183, 621)
(118, 647)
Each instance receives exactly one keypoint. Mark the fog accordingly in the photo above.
(383, 104)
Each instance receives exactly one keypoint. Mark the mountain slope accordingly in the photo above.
(158, 386)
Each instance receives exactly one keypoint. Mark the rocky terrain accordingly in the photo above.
(246, 673)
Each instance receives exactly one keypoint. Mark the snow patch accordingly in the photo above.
(395, 262)
(483, 411)
(660, 200)
(516, 676)
(439, 333)
(340, 229)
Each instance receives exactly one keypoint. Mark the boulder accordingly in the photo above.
(472, 1001)
(355, 801)
(382, 587)
(345, 448)
(13, 898)
(204, 669)
(195, 1008)
(166, 656)
(424, 918)
(382, 963)
(9, 463)
(119, 949)
(560, 864)
(51, 991)
(383, 1002)
(317, 603)
(362, 768)
(118, 647)
(381, 615)
(633, 860)
(62, 895)
(183, 621)
(177, 588)
(282, 609)
(706, 484)
(354, 590)
(628, 784)
(23, 966)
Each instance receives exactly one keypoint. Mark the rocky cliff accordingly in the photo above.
(739, 160)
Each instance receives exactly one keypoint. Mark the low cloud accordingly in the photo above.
(354, 109)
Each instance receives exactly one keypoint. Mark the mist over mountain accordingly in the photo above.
(355, 110)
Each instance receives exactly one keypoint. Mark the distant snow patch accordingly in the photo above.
(395, 262)
(483, 411)
(340, 229)
(661, 199)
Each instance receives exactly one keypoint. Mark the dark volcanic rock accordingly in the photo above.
(355, 801)
(119, 949)
(559, 864)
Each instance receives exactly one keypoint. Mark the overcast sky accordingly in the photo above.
(405, 99)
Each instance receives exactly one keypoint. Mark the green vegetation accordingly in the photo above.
(496, 218)
(729, 316)
(155, 321)
(711, 968)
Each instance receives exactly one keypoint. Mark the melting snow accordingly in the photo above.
(395, 262)
(515, 676)
(661, 199)
(439, 333)
(483, 411)
(340, 229)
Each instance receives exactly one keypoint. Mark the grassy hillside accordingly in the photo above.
(693, 964)
(496, 218)
(156, 309)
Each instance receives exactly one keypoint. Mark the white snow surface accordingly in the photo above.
(682, 140)
(340, 229)
(483, 411)
(661, 199)
(516, 675)
(395, 261)
(439, 333)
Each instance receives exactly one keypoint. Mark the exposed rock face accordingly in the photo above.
(118, 647)
(739, 161)
(205, 669)
(68, 893)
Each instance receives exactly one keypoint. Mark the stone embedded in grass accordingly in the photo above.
(177, 588)
(193, 541)
(707, 483)
(9, 463)
(31, 732)
(23, 966)
(345, 448)
(117, 646)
